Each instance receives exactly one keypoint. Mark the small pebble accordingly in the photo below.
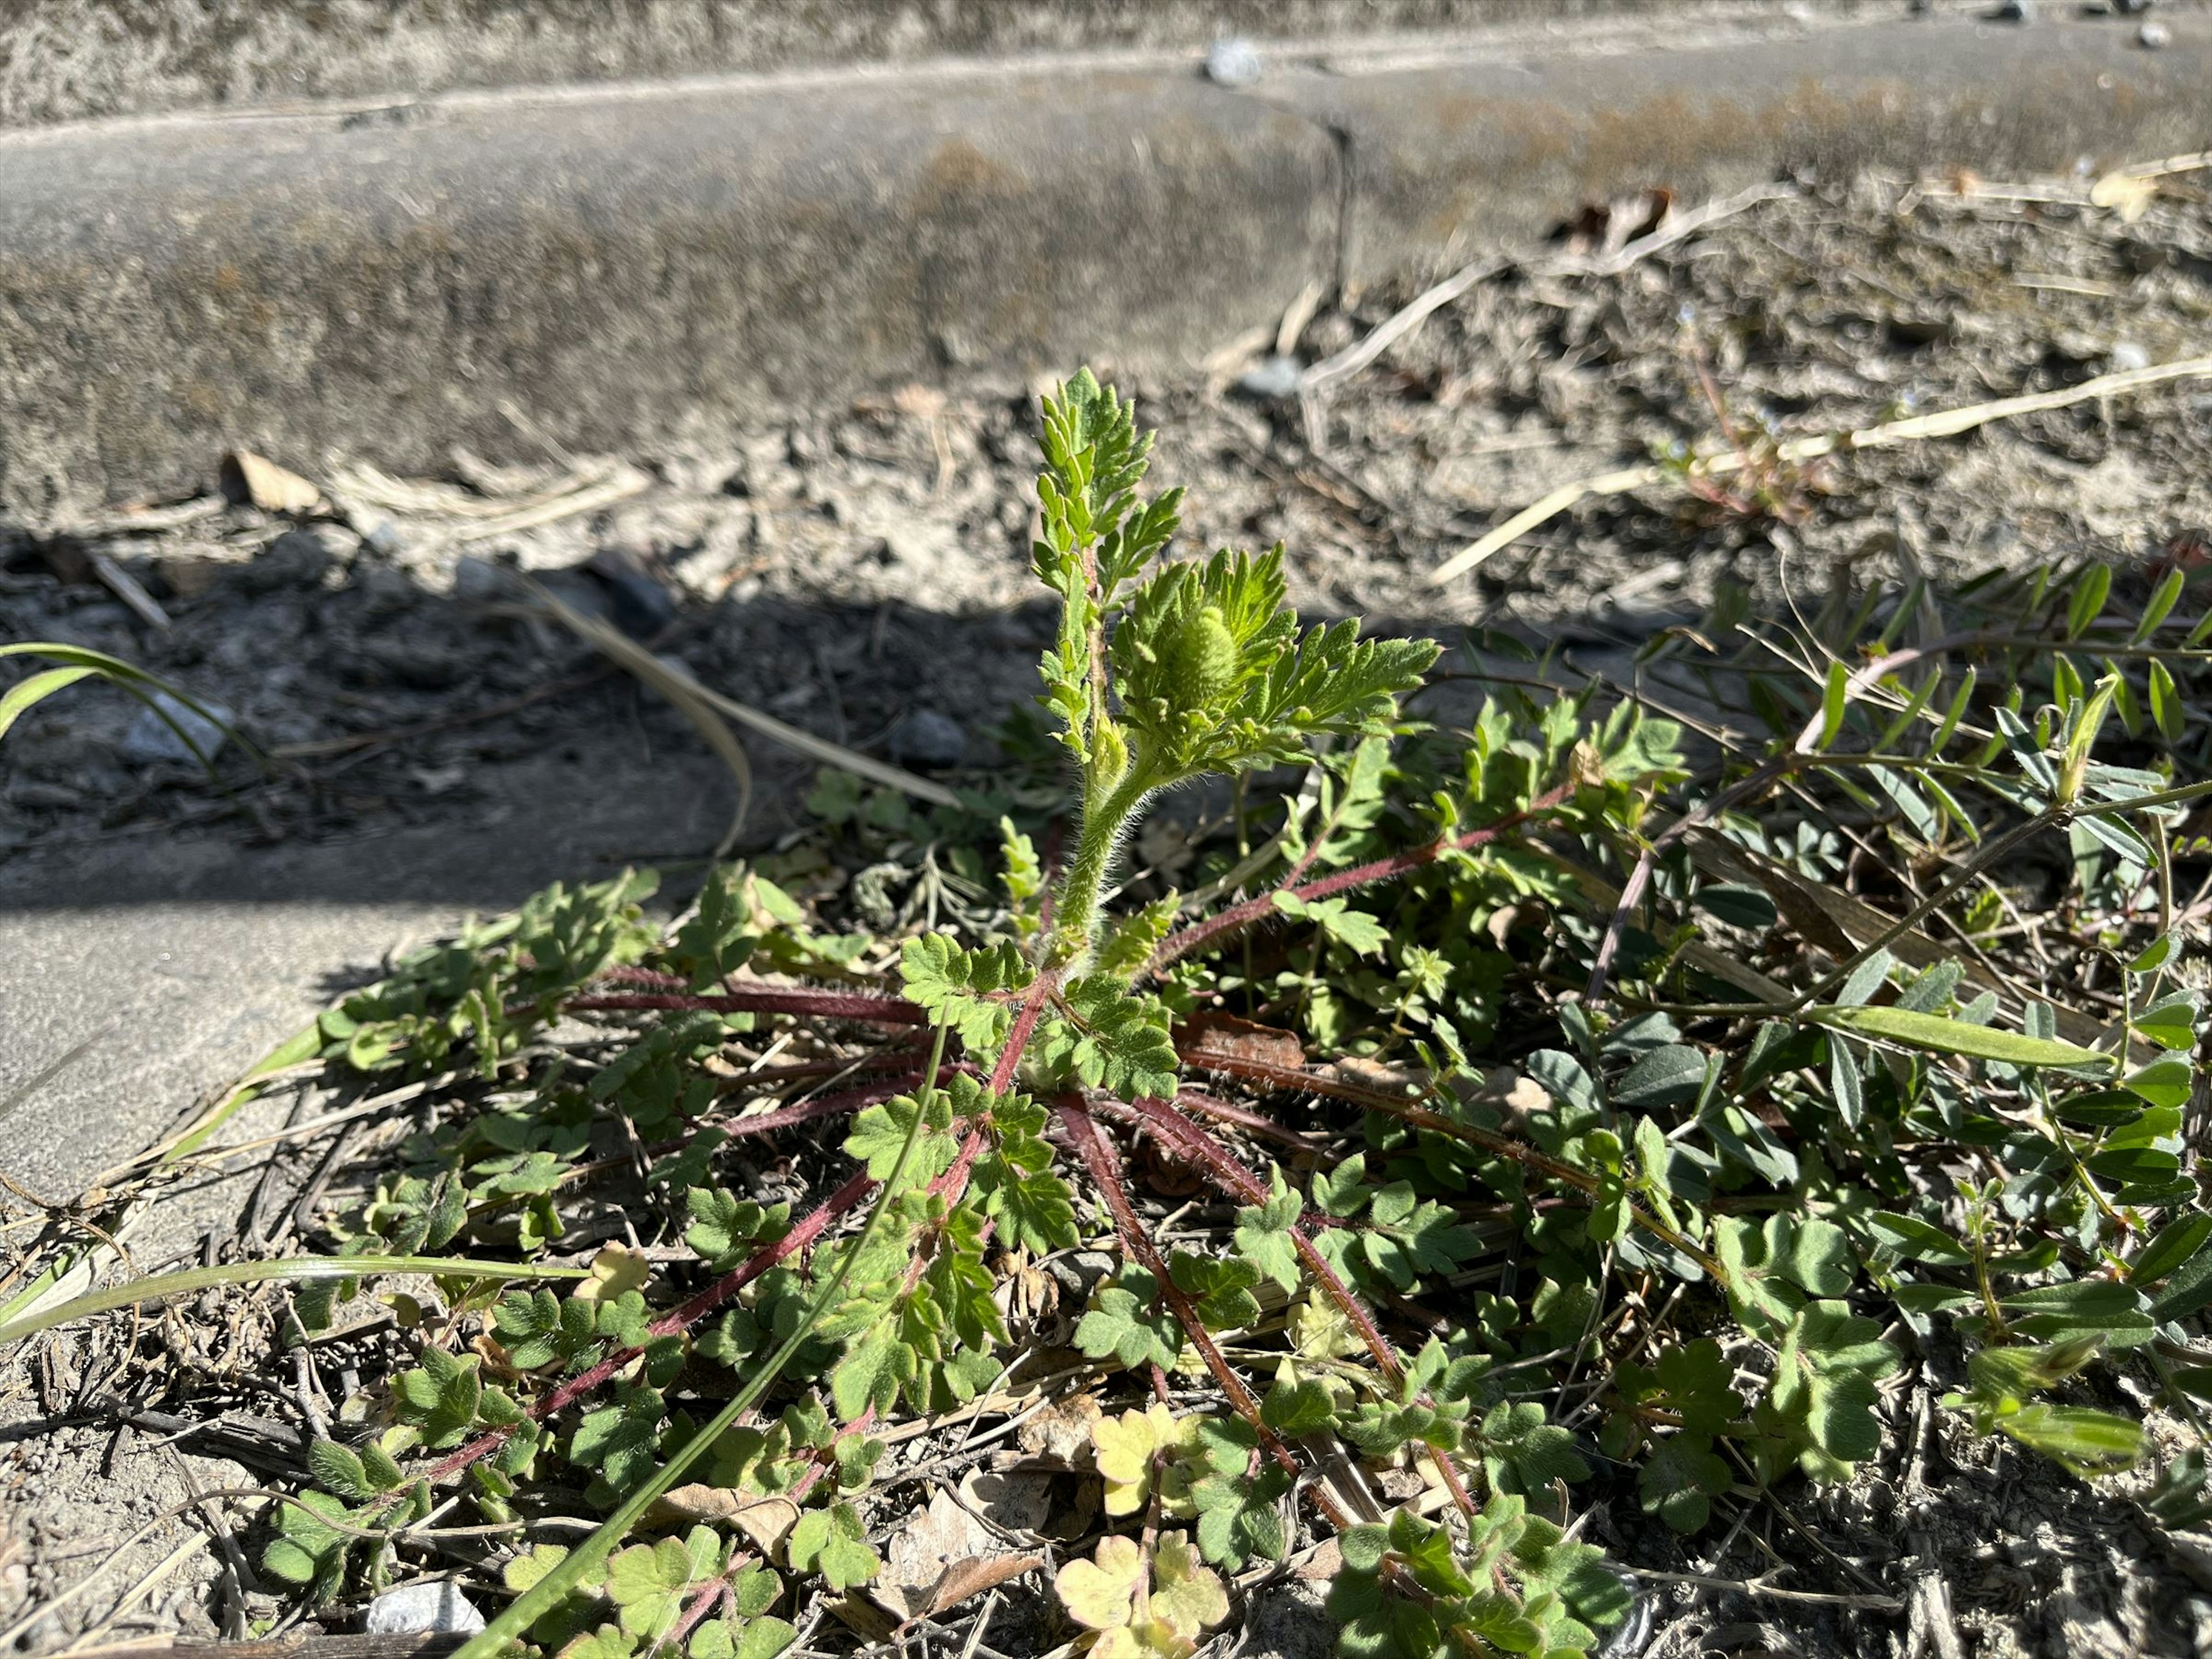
(381, 536)
(2015, 11)
(297, 558)
(922, 736)
(1277, 377)
(1233, 62)
(417, 1609)
(2153, 35)
(479, 581)
(150, 738)
(642, 607)
(2127, 355)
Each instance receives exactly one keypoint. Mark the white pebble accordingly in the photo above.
(1233, 62)
(440, 1608)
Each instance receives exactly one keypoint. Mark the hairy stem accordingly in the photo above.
(680, 1317)
(1242, 1183)
(533, 1603)
(1106, 815)
(1190, 939)
(1489, 1140)
(1105, 1170)
(766, 999)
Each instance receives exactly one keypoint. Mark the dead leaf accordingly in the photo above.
(1029, 1296)
(2128, 194)
(246, 477)
(766, 1521)
(979, 1573)
(1373, 1074)
(1017, 1501)
(1164, 1174)
(916, 1556)
(868, 1616)
(1232, 1038)
(1061, 1429)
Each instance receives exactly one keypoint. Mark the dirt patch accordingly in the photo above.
(842, 570)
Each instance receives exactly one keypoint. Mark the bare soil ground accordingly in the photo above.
(848, 569)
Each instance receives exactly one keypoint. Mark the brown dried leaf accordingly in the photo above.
(1166, 1175)
(977, 1574)
(1061, 1429)
(247, 476)
(1017, 1501)
(766, 1521)
(1232, 1038)
(1373, 1074)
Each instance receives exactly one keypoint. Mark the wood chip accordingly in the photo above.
(247, 476)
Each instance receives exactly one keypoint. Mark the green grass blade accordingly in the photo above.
(545, 1594)
(1936, 1035)
(192, 1279)
(301, 1046)
(40, 686)
(130, 678)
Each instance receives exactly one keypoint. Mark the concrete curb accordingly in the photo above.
(632, 263)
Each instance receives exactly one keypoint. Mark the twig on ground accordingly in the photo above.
(1757, 1587)
(1408, 318)
(686, 693)
(1945, 423)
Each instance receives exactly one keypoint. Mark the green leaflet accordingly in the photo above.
(1937, 1034)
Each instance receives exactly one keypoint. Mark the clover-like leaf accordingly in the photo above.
(834, 1543)
(1098, 1594)
(1125, 1321)
(1126, 1448)
(1187, 1596)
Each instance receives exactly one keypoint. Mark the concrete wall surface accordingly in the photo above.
(68, 59)
(636, 260)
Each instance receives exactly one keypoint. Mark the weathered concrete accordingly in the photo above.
(625, 262)
(1459, 156)
(70, 59)
(617, 262)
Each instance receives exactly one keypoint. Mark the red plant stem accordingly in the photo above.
(767, 1000)
(1025, 1023)
(1105, 1169)
(1398, 864)
(1252, 1122)
(953, 1183)
(821, 1106)
(1489, 1140)
(679, 1318)
(1240, 1182)
(1243, 1183)
(709, 1593)
(902, 1055)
